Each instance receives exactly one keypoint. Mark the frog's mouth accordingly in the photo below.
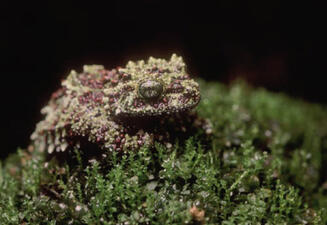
(165, 106)
(152, 97)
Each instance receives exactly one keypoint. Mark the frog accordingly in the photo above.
(122, 109)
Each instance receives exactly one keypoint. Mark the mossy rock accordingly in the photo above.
(264, 163)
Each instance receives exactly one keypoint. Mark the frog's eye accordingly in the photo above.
(150, 89)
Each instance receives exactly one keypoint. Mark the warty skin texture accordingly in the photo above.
(120, 109)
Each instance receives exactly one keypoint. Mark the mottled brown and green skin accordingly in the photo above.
(120, 109)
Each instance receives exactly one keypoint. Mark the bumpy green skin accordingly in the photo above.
(120, 109)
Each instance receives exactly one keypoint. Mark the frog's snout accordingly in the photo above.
(150, 89)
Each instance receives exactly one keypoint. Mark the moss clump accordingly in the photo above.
(264, 164)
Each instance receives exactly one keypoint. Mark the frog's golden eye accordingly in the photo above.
(150, 89)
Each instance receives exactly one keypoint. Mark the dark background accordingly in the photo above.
(269, 43)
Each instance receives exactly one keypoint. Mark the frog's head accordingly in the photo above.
(153, 88)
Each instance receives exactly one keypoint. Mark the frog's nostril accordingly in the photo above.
(150, 89)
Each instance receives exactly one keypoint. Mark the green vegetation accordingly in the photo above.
(265, 163)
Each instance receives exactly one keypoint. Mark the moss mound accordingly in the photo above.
(265, 163)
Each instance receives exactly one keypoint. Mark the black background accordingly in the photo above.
(273, 44)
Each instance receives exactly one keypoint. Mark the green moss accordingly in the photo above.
(265, 163)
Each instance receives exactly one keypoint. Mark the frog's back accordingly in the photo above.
(76, 109)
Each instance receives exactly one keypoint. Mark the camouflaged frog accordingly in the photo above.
(121, 109)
